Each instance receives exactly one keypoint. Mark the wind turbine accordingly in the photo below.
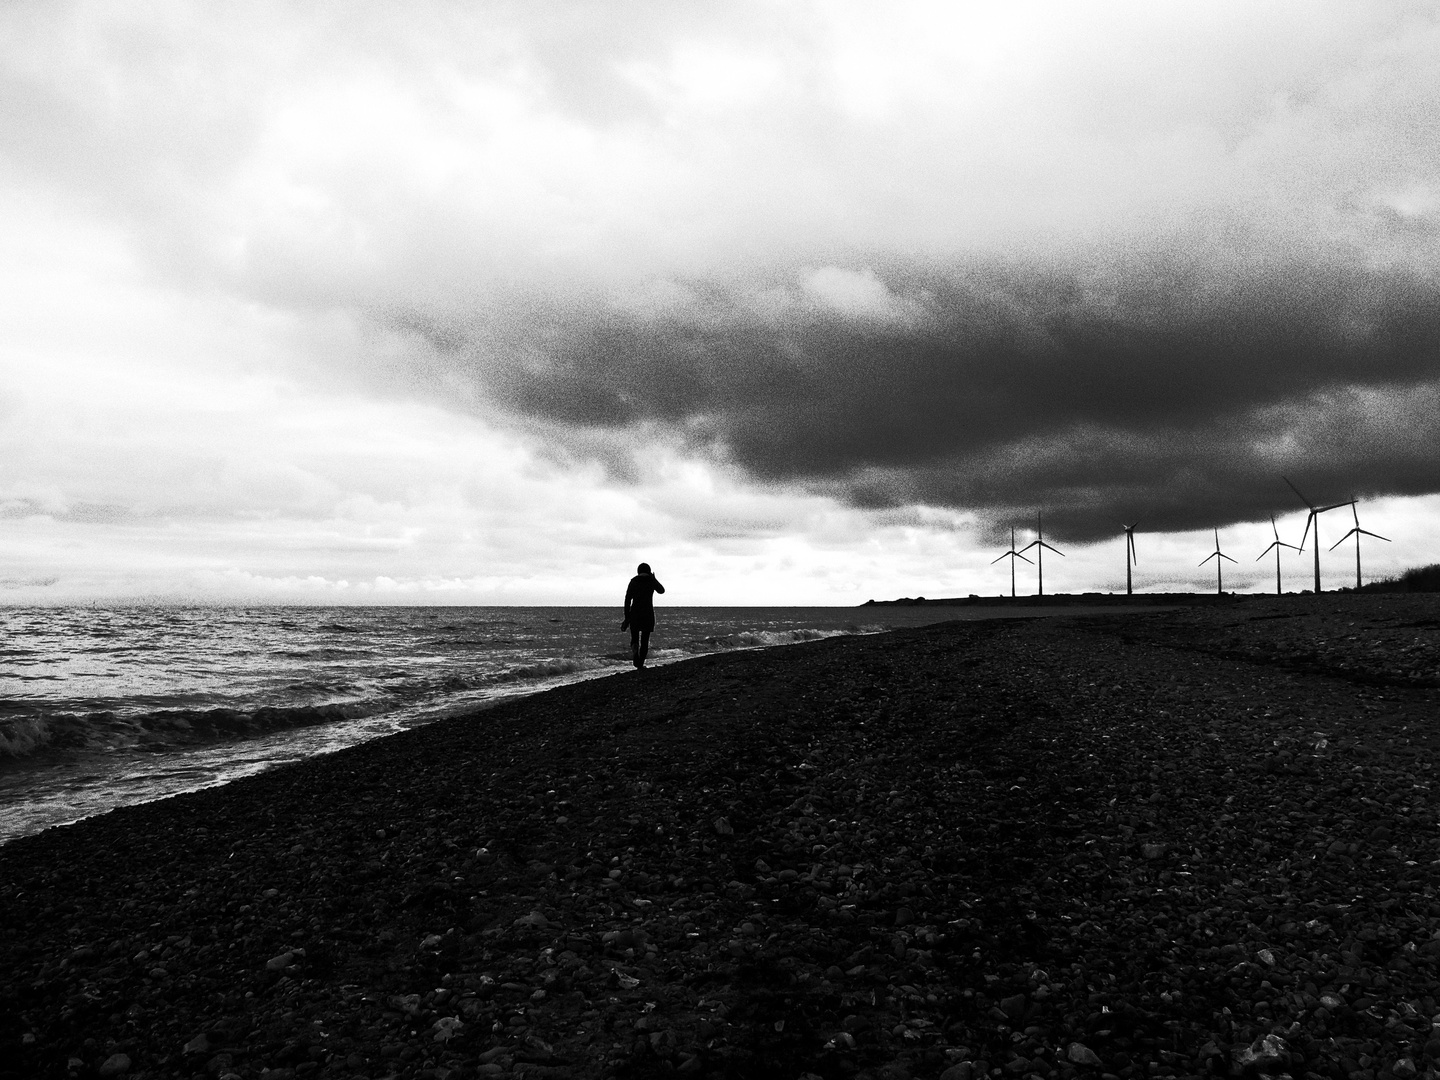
(1314, 519)
(1040, 545)
(1357, 532)
(1217, 555)
(1129, 554)
(1012, 555)
(1277, 544)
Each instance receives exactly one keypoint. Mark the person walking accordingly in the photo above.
(640, 611)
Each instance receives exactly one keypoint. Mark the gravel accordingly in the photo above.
(1181, 843)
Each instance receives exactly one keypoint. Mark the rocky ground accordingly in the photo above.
(1161, 844)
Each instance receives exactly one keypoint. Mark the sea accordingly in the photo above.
(108, 707)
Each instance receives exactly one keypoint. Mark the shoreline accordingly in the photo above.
(202, 750)
(911, 853)
(67, 783)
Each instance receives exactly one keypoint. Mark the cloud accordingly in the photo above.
(1165, 389)
(934, 264)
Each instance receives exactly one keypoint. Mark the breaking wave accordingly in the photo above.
(23, 736)
(759, 639)
(549, 669)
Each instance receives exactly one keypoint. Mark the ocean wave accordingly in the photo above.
(759, 639)
(26, 736)
(549, 669)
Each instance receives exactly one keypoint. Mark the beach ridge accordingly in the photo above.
(1149, 845)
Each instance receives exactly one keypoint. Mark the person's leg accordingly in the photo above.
(644, 646)
(635, 645)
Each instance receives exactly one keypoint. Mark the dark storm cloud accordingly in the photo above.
(1170, 392)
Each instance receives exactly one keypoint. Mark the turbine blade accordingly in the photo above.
(1267, 551)
(994, 561)
(1224, 556)
(1293, 488)
(1308, 521)
(1342, 539)
(1207, 558)
(1377, 536)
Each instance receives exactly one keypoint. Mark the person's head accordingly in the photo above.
(643, 568)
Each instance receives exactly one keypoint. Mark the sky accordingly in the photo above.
(802, 303)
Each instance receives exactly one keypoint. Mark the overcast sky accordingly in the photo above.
(800, 302)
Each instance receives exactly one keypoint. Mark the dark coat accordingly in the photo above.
(640, 601)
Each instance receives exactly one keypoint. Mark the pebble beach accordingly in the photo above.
(1177, 843)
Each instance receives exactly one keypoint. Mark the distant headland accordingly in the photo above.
(1091, 599)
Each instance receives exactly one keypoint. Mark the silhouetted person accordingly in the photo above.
(640, 611)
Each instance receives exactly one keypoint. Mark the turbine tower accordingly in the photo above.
(1040, 547)
(1012, 555)
(1217, 555)
(1129, 554)
(1357, 532)
(1276, 544)
(1314, 519)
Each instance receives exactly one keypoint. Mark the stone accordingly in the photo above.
(116, 1065)
(447, 1027)
(200, 1044)
(1080, 1054)
(1266, 1052)
(281, 962)
(963, 1070)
